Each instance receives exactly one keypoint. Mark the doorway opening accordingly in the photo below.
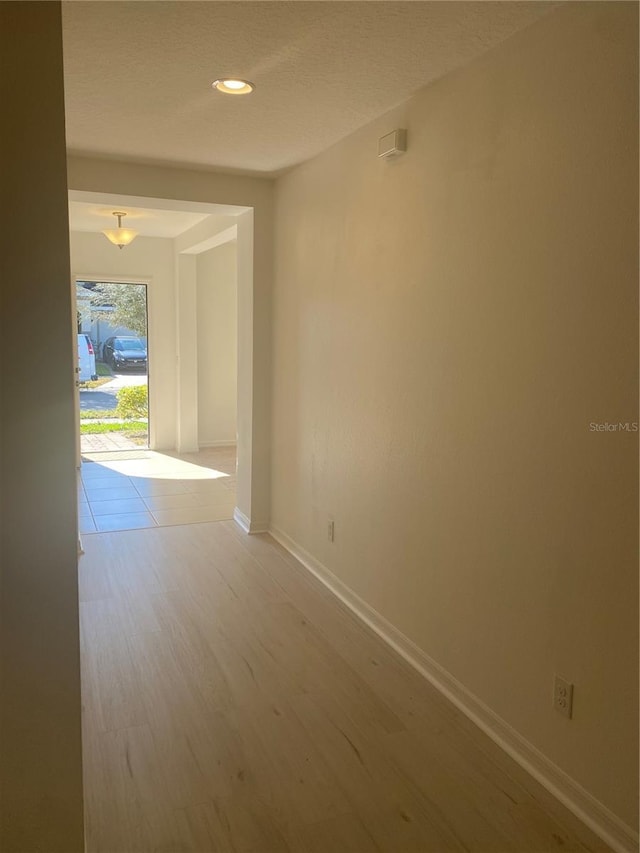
(170, 270)
(113, 366)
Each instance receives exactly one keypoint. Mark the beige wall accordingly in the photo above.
(217, 336)
(446, 327)
(40, 765)
(148, 259)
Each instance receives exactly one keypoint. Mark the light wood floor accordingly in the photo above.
(232, 704)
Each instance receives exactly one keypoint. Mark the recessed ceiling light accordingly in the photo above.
(233, 86)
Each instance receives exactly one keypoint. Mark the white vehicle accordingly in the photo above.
(86, 359)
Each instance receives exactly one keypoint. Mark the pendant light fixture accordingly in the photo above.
(120, 236)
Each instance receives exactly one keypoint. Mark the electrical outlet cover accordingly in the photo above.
(563, 696)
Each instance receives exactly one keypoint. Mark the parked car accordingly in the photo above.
(121, 352)
(86, 359)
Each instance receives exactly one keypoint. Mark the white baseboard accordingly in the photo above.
(600, 819)
(202, 444)
(241, 520)
(247, 525)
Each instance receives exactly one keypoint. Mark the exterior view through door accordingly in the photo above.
(113, 366)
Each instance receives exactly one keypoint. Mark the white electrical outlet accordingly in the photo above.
(563, 696)
(330, 530)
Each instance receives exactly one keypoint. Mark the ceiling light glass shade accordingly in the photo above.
(233, 86)
(121, 236)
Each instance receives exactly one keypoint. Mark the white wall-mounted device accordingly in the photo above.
(393, 143)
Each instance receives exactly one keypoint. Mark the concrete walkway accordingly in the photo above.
(107, 441)
(124, 380)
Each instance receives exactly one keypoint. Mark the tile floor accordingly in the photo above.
(134, 489)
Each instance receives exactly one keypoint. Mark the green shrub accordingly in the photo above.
(132, 402)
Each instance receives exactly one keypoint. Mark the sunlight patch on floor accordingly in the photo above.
(137, 489)
(153, 465)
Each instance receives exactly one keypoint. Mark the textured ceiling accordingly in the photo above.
(138, 74)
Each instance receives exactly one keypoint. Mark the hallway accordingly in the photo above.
(231, 703)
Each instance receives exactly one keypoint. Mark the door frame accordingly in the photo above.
(121, 279)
